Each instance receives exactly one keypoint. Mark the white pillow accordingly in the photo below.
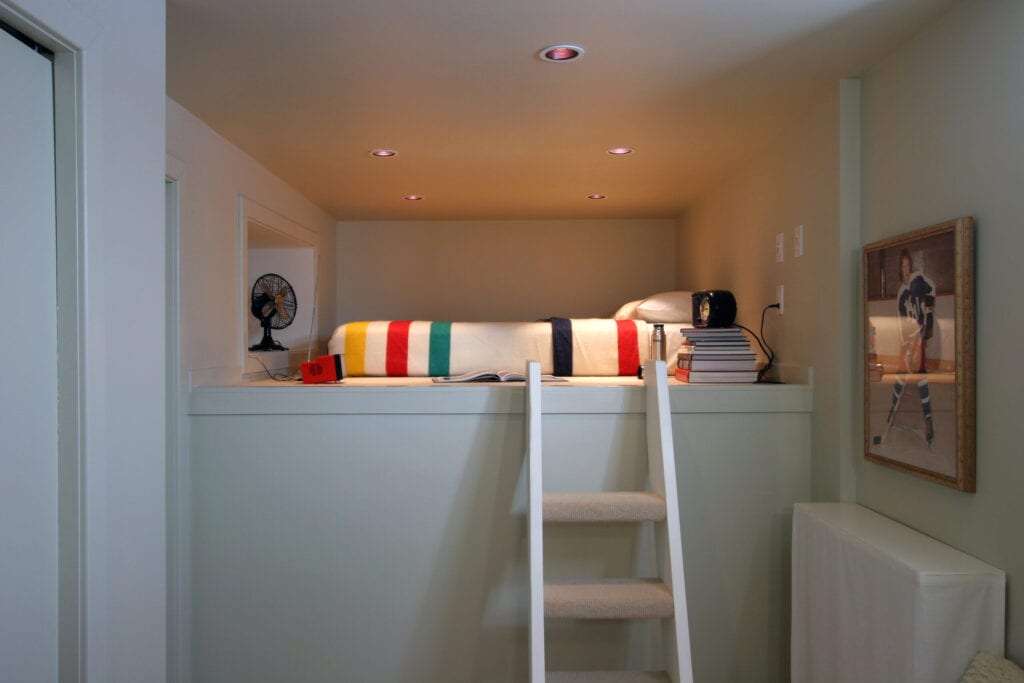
(627, 311)
(667, 307)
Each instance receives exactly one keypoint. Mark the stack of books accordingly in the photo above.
(716, 355)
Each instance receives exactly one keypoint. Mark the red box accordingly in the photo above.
(323, 369)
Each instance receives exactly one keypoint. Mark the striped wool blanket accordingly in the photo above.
(405, 348)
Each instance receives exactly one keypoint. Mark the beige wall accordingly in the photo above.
(727, 241)
(500, 270)
(943, 138)
(940, 138)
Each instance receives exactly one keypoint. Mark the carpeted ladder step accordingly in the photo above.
(607, 677)
(611, 506)
(608, 599)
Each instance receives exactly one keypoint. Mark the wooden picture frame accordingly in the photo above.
(919, 353)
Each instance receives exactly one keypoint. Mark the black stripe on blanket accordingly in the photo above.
(561, 343)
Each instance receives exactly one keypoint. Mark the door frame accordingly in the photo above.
(178, 472)
(68, 96)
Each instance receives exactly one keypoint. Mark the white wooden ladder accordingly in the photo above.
(662, 597)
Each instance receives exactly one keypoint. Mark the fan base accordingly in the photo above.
(267, 343)
(263, 346)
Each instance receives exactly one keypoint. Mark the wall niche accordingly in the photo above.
(272, 243)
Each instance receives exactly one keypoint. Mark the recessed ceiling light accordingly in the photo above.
(413, 197)
(561, 53)
(597, 195)
(383, 153)
(620, 151)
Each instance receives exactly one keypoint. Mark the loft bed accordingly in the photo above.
(580, 347)
(590, 347)
(276, 468)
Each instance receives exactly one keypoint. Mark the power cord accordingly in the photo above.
(277, 377)
(768, 351)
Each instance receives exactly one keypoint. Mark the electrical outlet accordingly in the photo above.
(798, 241)
(779, 298)
(780, 247)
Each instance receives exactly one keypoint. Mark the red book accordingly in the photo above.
(716, 377)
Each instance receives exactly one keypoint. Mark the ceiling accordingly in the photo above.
(487, 130)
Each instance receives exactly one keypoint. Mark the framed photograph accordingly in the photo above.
(919, 353)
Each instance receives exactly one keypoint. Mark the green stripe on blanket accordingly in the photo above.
(440, 349)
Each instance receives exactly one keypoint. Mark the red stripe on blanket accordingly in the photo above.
(397, 361)
(629, 347)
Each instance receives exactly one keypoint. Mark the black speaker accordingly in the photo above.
(714, 308)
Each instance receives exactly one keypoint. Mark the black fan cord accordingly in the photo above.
(762, 342)
(276, 378)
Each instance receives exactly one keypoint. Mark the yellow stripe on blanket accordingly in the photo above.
(354, 335)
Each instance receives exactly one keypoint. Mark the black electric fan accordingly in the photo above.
(273, 304)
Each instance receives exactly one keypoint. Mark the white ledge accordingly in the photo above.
(421, 397)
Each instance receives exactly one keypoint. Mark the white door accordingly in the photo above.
(28, 367)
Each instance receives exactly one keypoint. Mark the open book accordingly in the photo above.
(494, 376)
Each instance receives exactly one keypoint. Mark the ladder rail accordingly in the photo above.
(535, 518)
(662, 473)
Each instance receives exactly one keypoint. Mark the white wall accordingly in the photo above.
(500, 270)
(117, 149)
(213, 178)
(727, 241)
(376, 534)
(216, 174)
(943, 138)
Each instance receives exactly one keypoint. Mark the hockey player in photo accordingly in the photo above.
(915, 303)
